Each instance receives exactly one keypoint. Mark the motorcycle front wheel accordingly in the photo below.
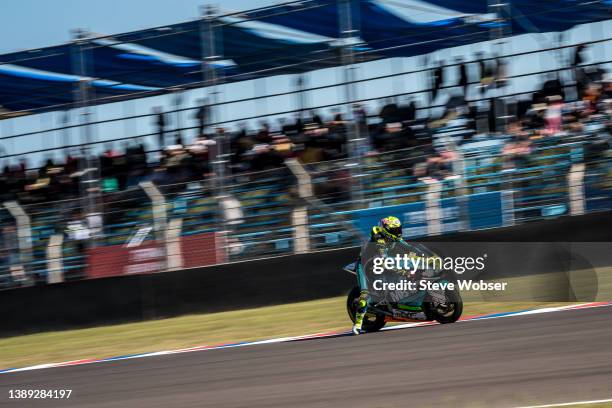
(370, 323)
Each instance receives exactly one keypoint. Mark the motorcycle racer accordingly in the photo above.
(388, 230)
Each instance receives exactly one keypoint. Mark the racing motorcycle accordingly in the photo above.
(441, 304)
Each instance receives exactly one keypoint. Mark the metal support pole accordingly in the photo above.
(397, 67)
(174, 252)
(232, 216)
(259, 88)
(210, 54)
(302, 176)
(497, 34)
(459, 169)
(90, 178)
(575, 183)
(158, 205)
(433, 211)
(301, 236)
(65, 133)
(507, 197)
(24, 235)
(55, 269)
(177, 100)
(348, 35)
(299, 216)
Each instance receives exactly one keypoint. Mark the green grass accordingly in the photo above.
(195, 330)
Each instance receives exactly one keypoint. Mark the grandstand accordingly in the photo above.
(505, 146)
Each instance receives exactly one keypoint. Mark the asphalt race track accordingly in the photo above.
(523, 360)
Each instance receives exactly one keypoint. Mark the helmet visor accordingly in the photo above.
(395, 231)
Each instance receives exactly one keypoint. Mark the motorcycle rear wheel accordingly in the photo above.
(444, 312)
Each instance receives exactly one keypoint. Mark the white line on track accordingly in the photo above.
(567, 404)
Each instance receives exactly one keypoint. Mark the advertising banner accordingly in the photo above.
(472, 212)
(117, 260)
(150, 257)
(451, 215)
(486, 210)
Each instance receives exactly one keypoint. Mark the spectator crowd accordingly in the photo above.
(311, 137)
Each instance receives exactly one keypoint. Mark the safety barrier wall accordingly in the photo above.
(147, 296)
(239, 285)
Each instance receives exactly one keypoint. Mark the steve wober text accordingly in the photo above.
(406, 285)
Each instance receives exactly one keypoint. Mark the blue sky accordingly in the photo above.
(26, 24)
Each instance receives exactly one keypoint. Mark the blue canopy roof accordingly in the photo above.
(252, 50)
(387, 32)
(28, 88)
(530, 16)
(107, 59)
(291, 38)
(383, 31)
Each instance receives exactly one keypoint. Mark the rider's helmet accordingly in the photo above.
(391, 228)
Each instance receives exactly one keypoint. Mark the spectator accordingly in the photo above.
(240, 144)
(486, 72)
(390, 112)
(311, 139)
(551, 88)
(199, 160)
(580, 78)
(437, 167)
(136, 164)
(313, 144)
(501, 73)
(438, 80)
(315, 118)
(515, 154)
(553, 115)
(263, 135)
(535, 119)
(202, 115)
(161, 126)
(579, 55)
(463, 77)
(265, 158)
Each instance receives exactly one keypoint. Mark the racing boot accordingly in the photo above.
(357, 326)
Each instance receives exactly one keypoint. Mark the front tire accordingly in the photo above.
(369, 325)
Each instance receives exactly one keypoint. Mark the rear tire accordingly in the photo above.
(368, 325)
(447, 312)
